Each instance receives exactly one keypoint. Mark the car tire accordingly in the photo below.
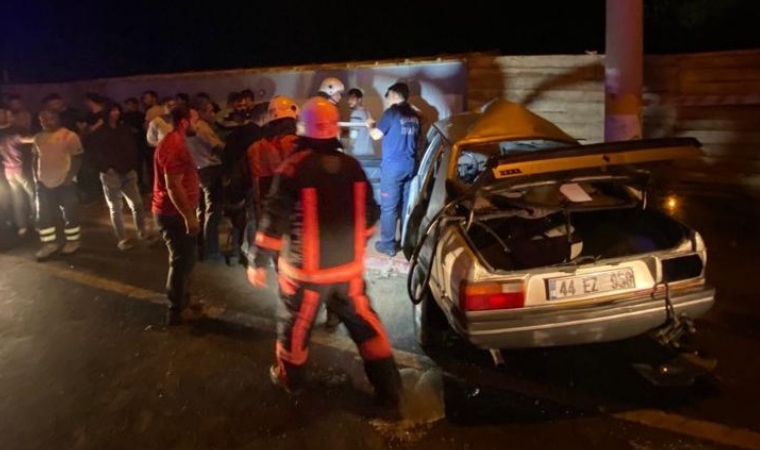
(430, 324)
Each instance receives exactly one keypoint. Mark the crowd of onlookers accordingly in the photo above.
(118, 139)
(109, 142)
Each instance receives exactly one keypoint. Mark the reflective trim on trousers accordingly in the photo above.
(298, 352)
(47, 234)
(262, 240)
(72, 234)
(56, 203)
(379, 346)
(339, 274)
(348, 300)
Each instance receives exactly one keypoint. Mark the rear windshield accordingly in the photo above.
(473, 158)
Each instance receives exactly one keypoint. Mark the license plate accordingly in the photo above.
(594, 283)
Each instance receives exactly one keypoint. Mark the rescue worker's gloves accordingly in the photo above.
(257, 276)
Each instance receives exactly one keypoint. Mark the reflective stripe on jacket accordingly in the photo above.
(319, 213)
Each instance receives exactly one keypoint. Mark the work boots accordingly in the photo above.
(70, 247)
(384, 376)
(287, 377)
(47, 251)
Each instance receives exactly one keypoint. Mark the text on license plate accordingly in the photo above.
(611, 280)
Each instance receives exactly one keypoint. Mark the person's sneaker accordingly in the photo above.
(46, 251)
(124, 245)
(386, 250)
(147, 237)
(388, 410)
(280, 380)
(70, 247)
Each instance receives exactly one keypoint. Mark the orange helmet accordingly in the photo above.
(320, 118)
(281, 106)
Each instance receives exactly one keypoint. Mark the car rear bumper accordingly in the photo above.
(582, 325)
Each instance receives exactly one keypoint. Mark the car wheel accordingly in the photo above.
(430, 324)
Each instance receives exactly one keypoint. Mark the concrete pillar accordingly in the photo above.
(623, 67)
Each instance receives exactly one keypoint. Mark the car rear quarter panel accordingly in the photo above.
(543, 322)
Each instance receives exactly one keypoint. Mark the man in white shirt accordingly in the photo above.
(206, 148)
(57, 155)
(151, 107)
(360, 140)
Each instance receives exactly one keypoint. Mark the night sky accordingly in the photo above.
(61, 41)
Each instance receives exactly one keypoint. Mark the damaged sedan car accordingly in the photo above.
(518, 236)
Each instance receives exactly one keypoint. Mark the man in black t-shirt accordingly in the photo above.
(135, 118)
(96, 118)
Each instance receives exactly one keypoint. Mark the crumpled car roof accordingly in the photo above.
(500, 120)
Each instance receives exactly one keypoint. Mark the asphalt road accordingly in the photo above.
(86, 364)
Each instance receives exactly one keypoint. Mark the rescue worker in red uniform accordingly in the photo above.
(265, 155)
(317, 217)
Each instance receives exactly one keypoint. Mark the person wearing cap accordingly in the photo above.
(360, 141)
(321, 204)
(399, 128)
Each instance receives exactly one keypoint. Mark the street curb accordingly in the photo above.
(386, 266)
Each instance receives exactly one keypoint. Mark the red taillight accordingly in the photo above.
(485, 296)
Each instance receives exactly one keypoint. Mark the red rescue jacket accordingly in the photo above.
(319, 214)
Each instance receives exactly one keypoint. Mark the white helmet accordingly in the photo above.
(320, 118)
(331, 86)
(281, 107)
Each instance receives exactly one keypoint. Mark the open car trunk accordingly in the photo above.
(583, 203)
(519, 243)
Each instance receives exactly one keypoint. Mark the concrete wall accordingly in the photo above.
(437, 85)
(714, 97)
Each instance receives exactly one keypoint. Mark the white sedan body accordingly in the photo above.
(606, 267)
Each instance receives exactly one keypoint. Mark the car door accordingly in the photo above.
(419, 194)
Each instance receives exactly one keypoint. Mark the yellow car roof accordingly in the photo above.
(499, 120)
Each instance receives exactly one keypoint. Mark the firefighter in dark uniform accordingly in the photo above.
(317, 217)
